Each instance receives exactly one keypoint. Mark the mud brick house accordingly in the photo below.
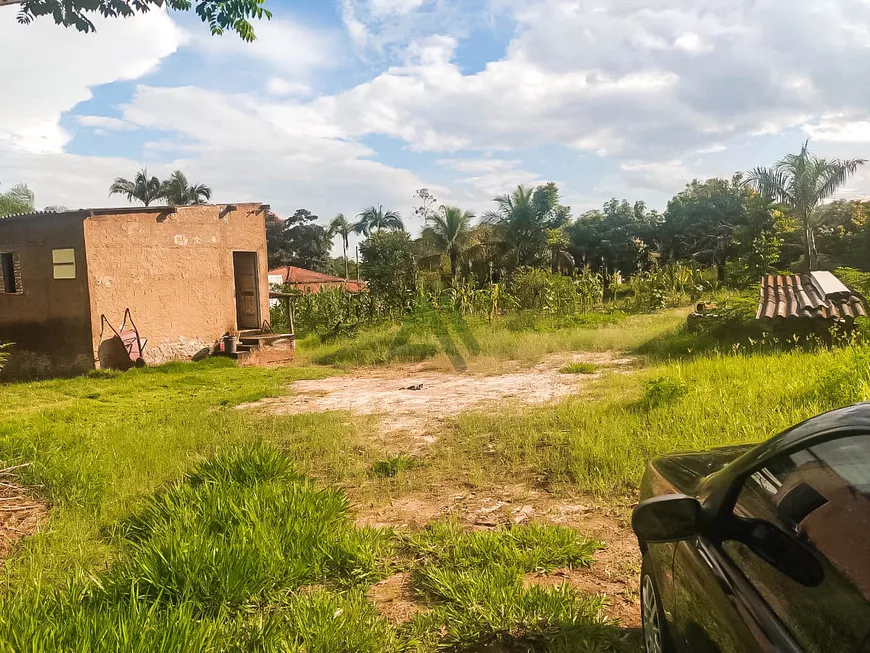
(188, 274)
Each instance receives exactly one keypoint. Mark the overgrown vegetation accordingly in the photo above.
(244, 553)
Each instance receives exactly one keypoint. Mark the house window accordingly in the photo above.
(64, 261)
(10, 273)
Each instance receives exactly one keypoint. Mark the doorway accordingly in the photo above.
(247, 278)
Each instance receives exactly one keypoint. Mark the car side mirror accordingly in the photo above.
(668, 518)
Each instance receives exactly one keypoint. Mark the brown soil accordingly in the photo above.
(417, 401)
(614, 574)
(392, 597)
(20, 513)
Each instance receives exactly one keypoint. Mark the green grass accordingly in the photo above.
(393, 466)
(246, 554)
(180, 523)
(99, 444)
(579, 368)
(451, 342)
(601, 442)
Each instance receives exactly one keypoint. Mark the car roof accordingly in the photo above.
(850, 417)
(857, 416)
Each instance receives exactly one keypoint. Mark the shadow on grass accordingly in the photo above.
(448, 331)
(562, 639)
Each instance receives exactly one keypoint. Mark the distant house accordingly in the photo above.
(188, 274)
(309, 281)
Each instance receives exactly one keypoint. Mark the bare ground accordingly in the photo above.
(615, 573)
(417, 401)
(20, 513)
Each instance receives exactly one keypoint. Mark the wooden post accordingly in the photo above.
(290, 315)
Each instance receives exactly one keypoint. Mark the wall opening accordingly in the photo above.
(246, 272)
(10, 284)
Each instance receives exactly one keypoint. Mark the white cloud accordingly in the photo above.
(661, 90)
(482, 179)
(839, 129)
(105, 123)
(45, 80)
(281, 87)
(286, 45)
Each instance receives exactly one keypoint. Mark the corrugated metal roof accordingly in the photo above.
(795, 296)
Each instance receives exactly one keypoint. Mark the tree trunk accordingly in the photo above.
(346, 268)
(454, 264)
(809, 244)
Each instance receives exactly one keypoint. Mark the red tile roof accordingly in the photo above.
(797, 296)
(311, 280)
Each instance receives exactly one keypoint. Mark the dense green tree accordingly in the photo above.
(141, 188)
(341, 227)
(389, 267)
(619, 237)
(221, 15)
(800, 183)
(179, 192)
(449, 232)
(843, 234)
(298, 241)
(376, 219)
(720, 221)
(521, 222)
(16, 200)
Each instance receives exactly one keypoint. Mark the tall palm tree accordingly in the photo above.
(518, 226)
(141, 188)
(801, 182)
(376, 219)
(178, 192)
(341, 227)
(449, 231)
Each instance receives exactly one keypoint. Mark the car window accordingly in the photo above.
(820, 495)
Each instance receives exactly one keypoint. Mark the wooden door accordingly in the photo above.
(247, 277)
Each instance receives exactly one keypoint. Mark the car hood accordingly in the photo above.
(683, 472)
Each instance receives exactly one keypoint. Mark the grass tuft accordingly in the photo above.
(579, 368)
(394, 466)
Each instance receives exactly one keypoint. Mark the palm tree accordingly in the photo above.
(376, 219)
(518, 226)
(341, 227)
(178, 192)
(141, 188)
(449, 232)
(801, 182)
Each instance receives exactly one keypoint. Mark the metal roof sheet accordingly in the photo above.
(796, 296)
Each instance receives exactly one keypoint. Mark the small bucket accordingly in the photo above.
(230, 344)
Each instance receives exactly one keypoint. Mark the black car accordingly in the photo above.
(763, 548)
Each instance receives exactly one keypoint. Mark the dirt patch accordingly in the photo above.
(417, 401)
(393, 598)
(20, 513)
(615, 573)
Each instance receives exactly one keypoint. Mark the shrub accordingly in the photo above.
(394, 466)
(664, 390)
(855, 279)
(579, 368)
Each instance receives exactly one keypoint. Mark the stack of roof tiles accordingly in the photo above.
(798, 296)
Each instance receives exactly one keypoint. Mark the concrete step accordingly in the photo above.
(265, 339)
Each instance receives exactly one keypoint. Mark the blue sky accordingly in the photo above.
(341, 104)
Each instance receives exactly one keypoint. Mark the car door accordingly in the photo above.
(728, 598)
(818, 494)
(714, 613)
